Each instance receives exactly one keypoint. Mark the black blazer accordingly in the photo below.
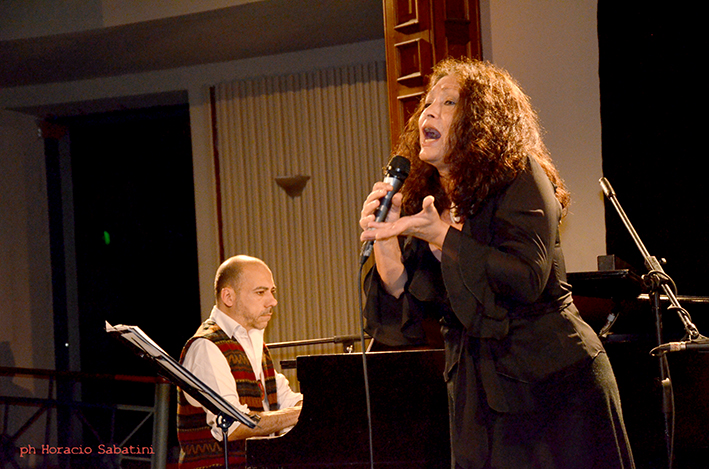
(501, 294)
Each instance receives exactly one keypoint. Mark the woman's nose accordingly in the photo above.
(433, 109)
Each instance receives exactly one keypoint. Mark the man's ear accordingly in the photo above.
(228, 296)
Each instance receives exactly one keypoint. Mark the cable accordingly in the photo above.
(654, 280)
(671, 396)
(364, 369)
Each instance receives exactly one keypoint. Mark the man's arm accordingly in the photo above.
(206, 361)
(270, 422)
(218, 376)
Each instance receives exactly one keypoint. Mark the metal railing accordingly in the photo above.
(56, 401)
(74, 411)
(347, 341)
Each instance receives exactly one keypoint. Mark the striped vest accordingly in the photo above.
(198, 448)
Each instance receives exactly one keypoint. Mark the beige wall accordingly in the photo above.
(26, 320)
(551, 48)
(36, 18)
(25, 267)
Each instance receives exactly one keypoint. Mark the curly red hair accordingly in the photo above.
(493, 132)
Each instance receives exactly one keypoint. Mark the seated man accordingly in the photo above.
(229, 355)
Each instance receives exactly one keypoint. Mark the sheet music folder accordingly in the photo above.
(167, 366)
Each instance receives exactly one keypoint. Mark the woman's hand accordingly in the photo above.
(386, 251)
(371, 204)
(426, 225)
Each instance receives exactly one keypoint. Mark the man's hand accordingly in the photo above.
(271, 422)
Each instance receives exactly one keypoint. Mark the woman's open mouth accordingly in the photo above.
(429, 133)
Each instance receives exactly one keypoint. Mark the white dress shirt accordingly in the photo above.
(208, 363)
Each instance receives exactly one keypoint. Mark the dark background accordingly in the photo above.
(136, 257)
(132, 174)
(653, 116)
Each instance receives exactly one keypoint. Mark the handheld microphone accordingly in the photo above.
(395, 174)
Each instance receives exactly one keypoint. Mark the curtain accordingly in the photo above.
(332, 126)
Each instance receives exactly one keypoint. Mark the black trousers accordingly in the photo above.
(577, 424)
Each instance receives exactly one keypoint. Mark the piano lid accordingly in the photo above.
(409, 407)
(623, 283)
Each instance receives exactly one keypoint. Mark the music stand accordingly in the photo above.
(144, 347)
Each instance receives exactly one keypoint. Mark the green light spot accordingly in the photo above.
(106, 238)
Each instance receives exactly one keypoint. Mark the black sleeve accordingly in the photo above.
(392, 321)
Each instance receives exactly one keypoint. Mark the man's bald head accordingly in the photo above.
(230, 272)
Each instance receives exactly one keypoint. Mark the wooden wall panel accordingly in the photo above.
(418, 34)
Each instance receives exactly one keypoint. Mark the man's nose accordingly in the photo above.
(272, 301)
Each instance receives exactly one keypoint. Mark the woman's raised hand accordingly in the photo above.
(426, 225)
(371, 204)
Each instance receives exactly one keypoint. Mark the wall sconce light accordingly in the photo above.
(293, 185)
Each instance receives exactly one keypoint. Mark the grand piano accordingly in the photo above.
(620, 294)
(409, 402)
(409, 415)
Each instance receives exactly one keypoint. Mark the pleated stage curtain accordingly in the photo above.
(332, 126)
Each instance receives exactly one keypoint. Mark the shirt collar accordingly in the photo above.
(229, 326)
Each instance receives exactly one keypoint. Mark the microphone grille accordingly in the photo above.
(398, 167)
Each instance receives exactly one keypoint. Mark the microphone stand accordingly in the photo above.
(657, 280)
